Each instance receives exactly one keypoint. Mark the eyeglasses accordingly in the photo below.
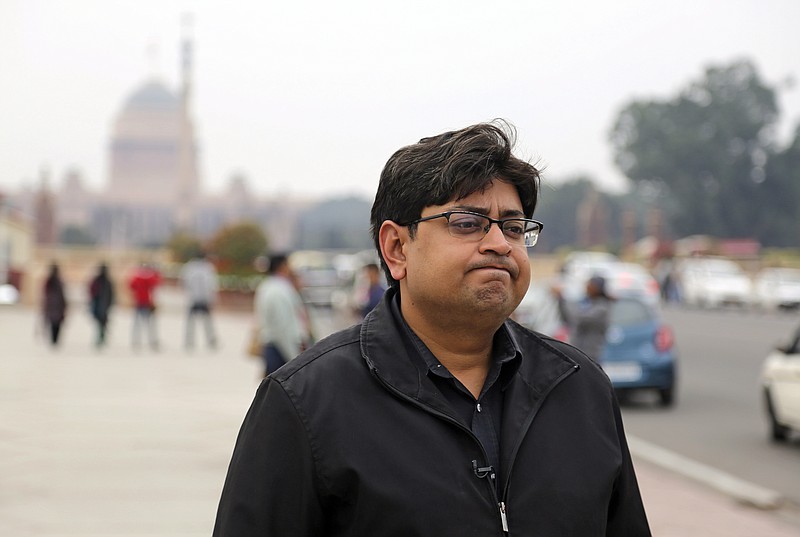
(473, 227)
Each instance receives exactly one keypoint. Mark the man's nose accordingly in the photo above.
(495, 240)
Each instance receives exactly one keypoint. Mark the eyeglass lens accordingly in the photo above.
(473, 226)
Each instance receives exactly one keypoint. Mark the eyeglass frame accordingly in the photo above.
(500, 222)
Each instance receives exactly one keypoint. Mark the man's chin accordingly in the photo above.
(496, 300)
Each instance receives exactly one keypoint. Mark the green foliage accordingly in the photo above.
(236, 246)
(557, 209)
(780, 225)
(183, 246)
(707, 151)
(76, 236)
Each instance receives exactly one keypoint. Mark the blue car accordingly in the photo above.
(640, 350)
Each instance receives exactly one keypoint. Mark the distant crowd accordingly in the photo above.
(198, 279)
(281, 324)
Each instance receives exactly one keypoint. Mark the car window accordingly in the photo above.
(627, 312)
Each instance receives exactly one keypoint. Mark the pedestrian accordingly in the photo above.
(54, 304)
(437, 415)
(143, 284)
(280, 315)
(101, 299)
(375, 288)
(199, 280)
(588, 319)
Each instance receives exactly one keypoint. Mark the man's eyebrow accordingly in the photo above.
(506, 213)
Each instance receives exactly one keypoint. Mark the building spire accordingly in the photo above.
(187, 24)
(187, 173)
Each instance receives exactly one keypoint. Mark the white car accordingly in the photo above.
(631, 279)
(539, 311)
(8, 294)
(578, 267)
(713, 282)
(777, 288)
(622, 280)
(780, 378)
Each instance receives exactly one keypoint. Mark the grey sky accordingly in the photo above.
(311, 98)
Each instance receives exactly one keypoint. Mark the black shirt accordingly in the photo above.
(484, 415)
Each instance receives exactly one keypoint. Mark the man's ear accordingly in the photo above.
(392, 239)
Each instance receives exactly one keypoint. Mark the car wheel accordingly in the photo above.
(778, 432)
(666, 396)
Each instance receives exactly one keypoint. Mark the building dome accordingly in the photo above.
(152, 95)
(152, 142)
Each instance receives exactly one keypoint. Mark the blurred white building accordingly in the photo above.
(154, 187)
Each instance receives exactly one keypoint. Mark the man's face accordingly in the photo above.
(459, 279)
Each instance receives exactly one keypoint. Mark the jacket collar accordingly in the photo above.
(387, 354)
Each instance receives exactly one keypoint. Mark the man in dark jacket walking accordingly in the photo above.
(437, 415)
(101, 299)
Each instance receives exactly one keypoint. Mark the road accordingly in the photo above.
(719, 418)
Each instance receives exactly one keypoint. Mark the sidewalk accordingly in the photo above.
(123, 444)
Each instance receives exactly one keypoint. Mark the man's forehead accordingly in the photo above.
(485, 200)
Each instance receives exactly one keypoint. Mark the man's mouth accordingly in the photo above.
(495, 267)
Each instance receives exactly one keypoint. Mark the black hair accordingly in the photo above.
(276, 261)
(449, 166)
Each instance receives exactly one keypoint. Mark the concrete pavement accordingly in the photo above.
(119, 443)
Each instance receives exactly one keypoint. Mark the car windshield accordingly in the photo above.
(627, 312)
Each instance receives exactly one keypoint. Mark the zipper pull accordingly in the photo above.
(503, 518)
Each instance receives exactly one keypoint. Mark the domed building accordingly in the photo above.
(153, 181)
(152, 150)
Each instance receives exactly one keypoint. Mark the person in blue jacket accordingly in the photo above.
(375, 288)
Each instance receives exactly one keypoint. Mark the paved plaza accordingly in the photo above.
(117, 443)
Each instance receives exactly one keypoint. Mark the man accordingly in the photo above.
(375, 288)
(438, 416)
(199, 280)
(143, 285)
(101, 300)
(280, 315)
(588, 320)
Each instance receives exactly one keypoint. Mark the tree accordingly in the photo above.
(335, 223)
(557, 209)
(236, 247)
(183, 246)
(76, 236)
(706, 149)
(780, 225)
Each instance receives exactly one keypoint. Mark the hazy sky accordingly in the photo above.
(313, 97)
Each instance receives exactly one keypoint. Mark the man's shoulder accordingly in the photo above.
(330, 358)
(269, 285)
(536, 346)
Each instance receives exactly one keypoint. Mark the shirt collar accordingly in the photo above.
(506, 356)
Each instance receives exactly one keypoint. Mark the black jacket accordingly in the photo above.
(349, 439)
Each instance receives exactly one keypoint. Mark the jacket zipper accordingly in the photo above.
(501, 505)
(503, 518)
(525, 428)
